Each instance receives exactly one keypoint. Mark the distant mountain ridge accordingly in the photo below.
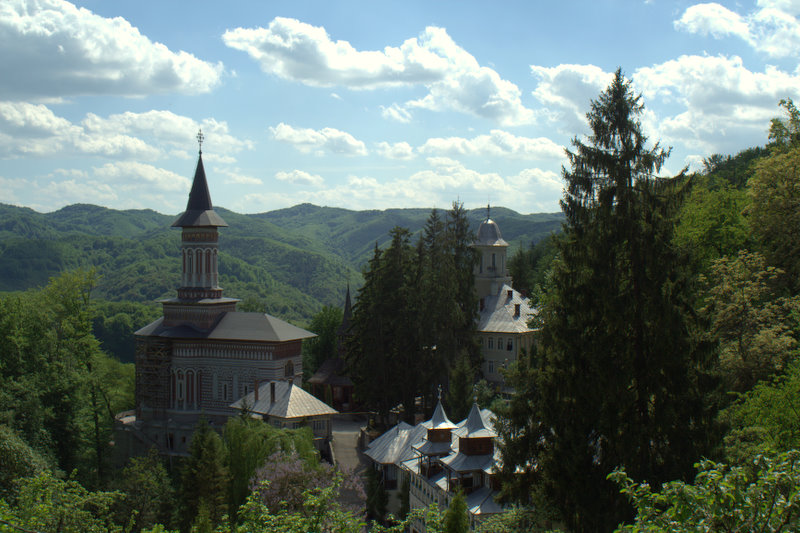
(293, 260)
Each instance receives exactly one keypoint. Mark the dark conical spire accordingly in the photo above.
(199, 212)
(347, 314)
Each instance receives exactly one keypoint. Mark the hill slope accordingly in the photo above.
(291, 261)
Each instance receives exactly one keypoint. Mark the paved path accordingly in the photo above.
(346, 429)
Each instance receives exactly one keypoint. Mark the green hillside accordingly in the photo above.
(290, 262)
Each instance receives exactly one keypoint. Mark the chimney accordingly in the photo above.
(271, 392)
(510, 294)
(516, 310)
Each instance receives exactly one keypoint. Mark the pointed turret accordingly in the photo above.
(199, 211)
(475, 425)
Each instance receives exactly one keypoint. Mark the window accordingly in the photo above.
(491, 343)
(491, 366)
(499, 343)
(288, 370)
(510, 345)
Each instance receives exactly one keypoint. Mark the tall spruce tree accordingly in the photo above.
(618, 372)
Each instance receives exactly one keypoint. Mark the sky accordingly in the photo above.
(366, 104)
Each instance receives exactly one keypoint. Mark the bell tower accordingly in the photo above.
(490, 272)
(200, 302)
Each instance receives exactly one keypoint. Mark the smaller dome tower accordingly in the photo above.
(490, 273)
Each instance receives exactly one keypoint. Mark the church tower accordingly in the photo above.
(490, 273)
(199, 303)
(203, 355)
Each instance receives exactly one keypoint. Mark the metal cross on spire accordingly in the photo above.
(200, 138)
(488, 211)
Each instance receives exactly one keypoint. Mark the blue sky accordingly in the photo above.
(364, 104)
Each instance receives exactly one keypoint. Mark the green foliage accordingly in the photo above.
(732, 171)
(619, 376)
(205, 478)
(47, 504)
(529, 267)
(17, 460)
(324, 346)
(250, 442)
(761, 496)
(785, 132)
(377, 497)
(114, 324)
(774, 215)
(415, 315)
(59, 390)
(460, 395)
(754, 326)
(456, 517)
(711, 223)
(148, 497)
(765, 419)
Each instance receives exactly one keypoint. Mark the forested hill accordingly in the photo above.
(292, 261)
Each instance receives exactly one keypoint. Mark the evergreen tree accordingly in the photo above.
(205, 478)
(315, 351)
(618, 374)
(456, 518)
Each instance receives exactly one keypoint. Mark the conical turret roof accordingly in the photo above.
(475, 425)
(439, 419)
(199, 211)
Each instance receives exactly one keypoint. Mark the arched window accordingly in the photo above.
(189, 389)
(180, 387)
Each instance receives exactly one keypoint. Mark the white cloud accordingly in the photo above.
(298, 51)
(399, 150)
(565, 92)
(319, 141)
(498, 143)
(772, 28)
(132, 175)
(300, 177)
(397, 113)
(234, 176)
(723, 105)
(33, 129)
(445, 180)
(55, 49)
(713, 19)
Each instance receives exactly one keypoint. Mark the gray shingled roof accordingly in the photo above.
(482, 502)
(237, 326)
(394, 446)
(461, 462)
(291, 401)
(498, 312)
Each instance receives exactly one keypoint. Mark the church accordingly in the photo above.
(203, 355)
